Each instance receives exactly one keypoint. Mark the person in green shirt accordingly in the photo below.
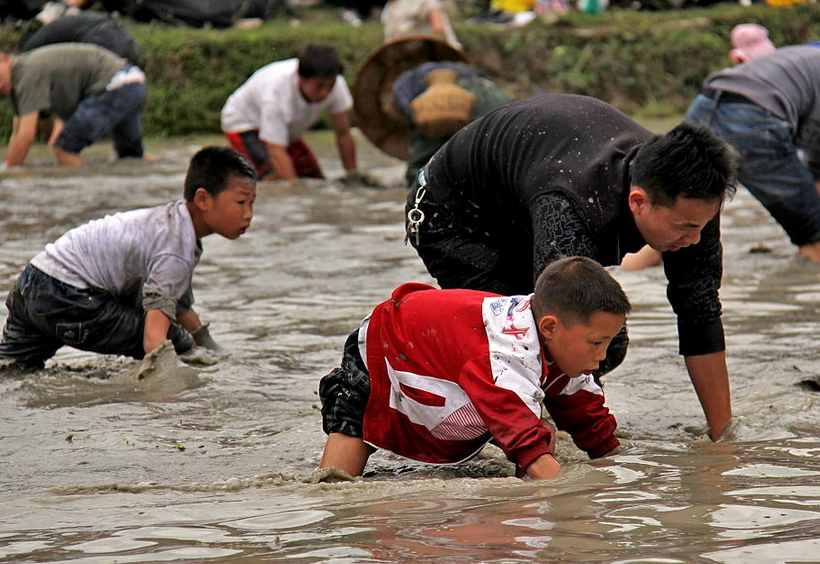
(90, 90)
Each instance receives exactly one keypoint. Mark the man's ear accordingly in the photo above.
(547, 325)
(638, 200)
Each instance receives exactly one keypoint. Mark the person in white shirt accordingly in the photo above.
(122, 284)
(402, 18)
(264, 119)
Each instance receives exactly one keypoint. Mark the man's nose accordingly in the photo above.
(693, 239)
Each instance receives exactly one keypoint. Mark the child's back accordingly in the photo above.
(118, 252)
(433, 375)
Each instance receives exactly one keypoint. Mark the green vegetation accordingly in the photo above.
(646, 63)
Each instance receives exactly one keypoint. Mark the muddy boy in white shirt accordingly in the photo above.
(264, 119)
(122, 284)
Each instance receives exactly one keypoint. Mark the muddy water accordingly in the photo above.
(94, 470)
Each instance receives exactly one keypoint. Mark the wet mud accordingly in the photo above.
(100, 467)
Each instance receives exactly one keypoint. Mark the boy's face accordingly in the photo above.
(670, 228)
(229, 213)
(317, 88)
(579, 348)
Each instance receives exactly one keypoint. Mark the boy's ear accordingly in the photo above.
(547, 325)
(202, 198)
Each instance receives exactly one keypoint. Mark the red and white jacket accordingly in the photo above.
(452, 369)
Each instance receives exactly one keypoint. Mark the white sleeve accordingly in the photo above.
(340, 98)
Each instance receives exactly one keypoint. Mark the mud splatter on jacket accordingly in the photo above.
(451, 369)
(550, 175)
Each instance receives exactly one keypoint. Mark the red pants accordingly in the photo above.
(249, 144)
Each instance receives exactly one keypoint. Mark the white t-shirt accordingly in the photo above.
(145, 257)
(270, 101)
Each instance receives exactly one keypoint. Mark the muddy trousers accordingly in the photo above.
(251, 146)
(344, 393)
(44, 314)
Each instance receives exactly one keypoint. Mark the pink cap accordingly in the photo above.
(749, 41)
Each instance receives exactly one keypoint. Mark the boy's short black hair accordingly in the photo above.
(211, 168)
(319, 60)
(690, 161)
(574, 288)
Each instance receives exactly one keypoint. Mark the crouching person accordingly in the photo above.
(433, 375)
(122, 284)
(90, 90)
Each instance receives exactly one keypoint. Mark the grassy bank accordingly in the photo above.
(646, 63)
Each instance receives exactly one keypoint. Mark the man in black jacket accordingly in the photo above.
(562, 175)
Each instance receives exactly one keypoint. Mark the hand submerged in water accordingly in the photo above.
(728, 434)
(202, 356)
(161, 375)
(202, 338)
(206, 350)
(152, 362)
(356, 178)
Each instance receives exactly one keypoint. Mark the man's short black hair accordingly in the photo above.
(690, 161)
(211, 168)
(319, 60)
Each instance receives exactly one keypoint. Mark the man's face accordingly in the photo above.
(670, 228)
(579, 348)
(317, 88)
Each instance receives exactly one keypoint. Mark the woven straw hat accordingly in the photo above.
(444, 107)
(373, 110)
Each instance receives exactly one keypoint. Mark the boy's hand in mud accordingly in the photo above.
(149, 361)
(203, 356)
(356, 178)
(202, 338)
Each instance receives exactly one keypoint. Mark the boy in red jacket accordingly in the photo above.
(433, 375)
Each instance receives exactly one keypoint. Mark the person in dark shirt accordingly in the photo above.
(561, 175)
(88, 88)
(86, 27)
(412, 84)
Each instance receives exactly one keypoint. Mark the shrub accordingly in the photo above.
(642, 62)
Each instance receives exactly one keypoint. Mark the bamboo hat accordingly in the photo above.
(373, 110)
(444, 107)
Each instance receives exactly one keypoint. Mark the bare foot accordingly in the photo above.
(15, 170)
(150, 157)
(64, 158)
